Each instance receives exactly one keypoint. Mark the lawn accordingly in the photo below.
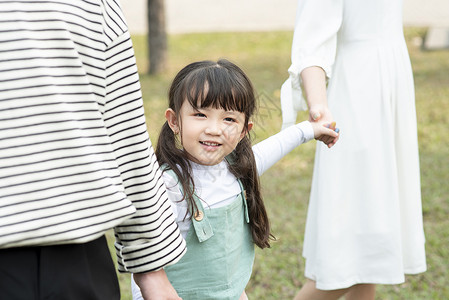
(265, 57)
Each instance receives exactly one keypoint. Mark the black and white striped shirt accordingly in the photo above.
(75, 156)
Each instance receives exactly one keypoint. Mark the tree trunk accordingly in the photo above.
(157, 36)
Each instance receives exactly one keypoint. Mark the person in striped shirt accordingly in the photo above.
(75, 157)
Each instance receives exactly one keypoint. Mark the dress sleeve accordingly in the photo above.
(151, 239)
(272, 149)
(314, 44)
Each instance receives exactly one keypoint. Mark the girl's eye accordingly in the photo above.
(229, 120)
(201, 115)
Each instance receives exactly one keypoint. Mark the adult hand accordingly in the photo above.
(320, 113)
(155, 286)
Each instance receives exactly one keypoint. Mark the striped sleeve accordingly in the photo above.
(75, 156)
(59, 180)
(151, 239)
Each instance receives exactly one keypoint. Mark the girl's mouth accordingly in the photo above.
(211, 144)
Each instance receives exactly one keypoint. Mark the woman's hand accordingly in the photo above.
(320, 113)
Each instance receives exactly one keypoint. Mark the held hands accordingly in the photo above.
(155, 286)
(324, 127)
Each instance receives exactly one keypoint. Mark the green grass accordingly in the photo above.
(265, 57)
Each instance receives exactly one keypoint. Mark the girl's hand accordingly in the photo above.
(323, 125)
(326, 132)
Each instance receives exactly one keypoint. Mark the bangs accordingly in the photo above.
(218, 87)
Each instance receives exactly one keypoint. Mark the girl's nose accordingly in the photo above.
(214, 128)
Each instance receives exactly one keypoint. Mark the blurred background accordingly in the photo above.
(257, 15)
(257, 35)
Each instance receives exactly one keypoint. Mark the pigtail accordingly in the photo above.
(243, 166)
(171, 157)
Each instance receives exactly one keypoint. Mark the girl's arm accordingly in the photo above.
(269, 151)
(272, 149)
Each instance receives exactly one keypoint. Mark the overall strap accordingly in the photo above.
(200, 222)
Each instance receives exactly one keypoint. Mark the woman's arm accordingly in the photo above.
(314, 84)
(314, 46)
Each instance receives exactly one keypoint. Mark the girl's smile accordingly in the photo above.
(210, 145)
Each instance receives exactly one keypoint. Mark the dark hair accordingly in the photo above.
(219, 84)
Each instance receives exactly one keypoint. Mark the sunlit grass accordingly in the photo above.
(265, 57)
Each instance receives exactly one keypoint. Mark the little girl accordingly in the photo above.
(212, 177)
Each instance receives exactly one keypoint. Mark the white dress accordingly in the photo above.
(364, 222)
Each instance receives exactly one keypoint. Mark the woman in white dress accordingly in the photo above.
(364, 223)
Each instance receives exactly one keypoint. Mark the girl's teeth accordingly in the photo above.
(210, 144)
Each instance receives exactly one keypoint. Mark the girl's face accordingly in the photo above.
(207, 134)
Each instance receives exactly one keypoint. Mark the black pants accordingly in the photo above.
(74, 271)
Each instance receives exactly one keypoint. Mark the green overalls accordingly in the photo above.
(220, 253)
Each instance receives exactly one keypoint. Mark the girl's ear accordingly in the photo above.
(245, 131)
(172, 120)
